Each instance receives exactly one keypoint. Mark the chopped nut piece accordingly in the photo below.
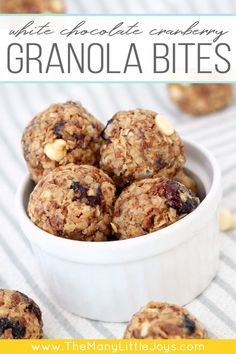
(114, 228)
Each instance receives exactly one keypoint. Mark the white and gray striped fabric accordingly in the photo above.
(151, 6)
(216, 307)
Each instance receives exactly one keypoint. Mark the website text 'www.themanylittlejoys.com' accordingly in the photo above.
(71, 346)
(118, 346)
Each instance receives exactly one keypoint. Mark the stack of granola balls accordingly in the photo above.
(121, 181)
(96, 183)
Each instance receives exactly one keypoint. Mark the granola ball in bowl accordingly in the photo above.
(74, 202)
(64, 133)
(110, 280)
(140, 144)
(150, 205)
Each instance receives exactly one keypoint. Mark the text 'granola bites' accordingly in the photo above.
(62, 134)
(149, 205)
(140, 144)
(74, 202)
(32, 6)
(164, 321)
(20, 316)
(198, 99)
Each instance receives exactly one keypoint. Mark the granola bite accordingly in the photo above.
(140, 144)
(186, 180)
(20, 316)
(164, 321)
(74, 202)
(31, 6)
(63, 133)
(198, 99)
(149, 205)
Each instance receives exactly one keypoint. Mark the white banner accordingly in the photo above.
(118, 48)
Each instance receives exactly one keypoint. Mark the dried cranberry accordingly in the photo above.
(173, 200)
(172, 194)
(96, 199)
(79, 137)
(57, 129)
(172, 187)
(160, 163)
(189, 324)
(18, 329)
(104, 136)
(79, 188)
(188, 206)
(83, 194)
(33, 308)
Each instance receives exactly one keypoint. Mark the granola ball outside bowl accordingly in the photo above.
(164, 321)
(31, 6)
(199, 99)
(62, 134)
(110, 280)
(20, 316)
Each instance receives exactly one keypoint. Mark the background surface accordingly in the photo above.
(216, 307)
(151, 6)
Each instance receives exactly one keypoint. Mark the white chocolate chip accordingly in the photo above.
(176, 93)
(57, 6)
(55, 151)
(145, 329)
(164, 125)
(92, 192)
(227, 220)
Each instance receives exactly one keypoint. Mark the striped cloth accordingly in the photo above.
(215, 308)
(150, 6)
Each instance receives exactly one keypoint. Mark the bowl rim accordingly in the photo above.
(58, 246)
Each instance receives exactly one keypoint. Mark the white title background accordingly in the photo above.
(119, 47)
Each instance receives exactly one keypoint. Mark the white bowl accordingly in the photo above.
(109, 281)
